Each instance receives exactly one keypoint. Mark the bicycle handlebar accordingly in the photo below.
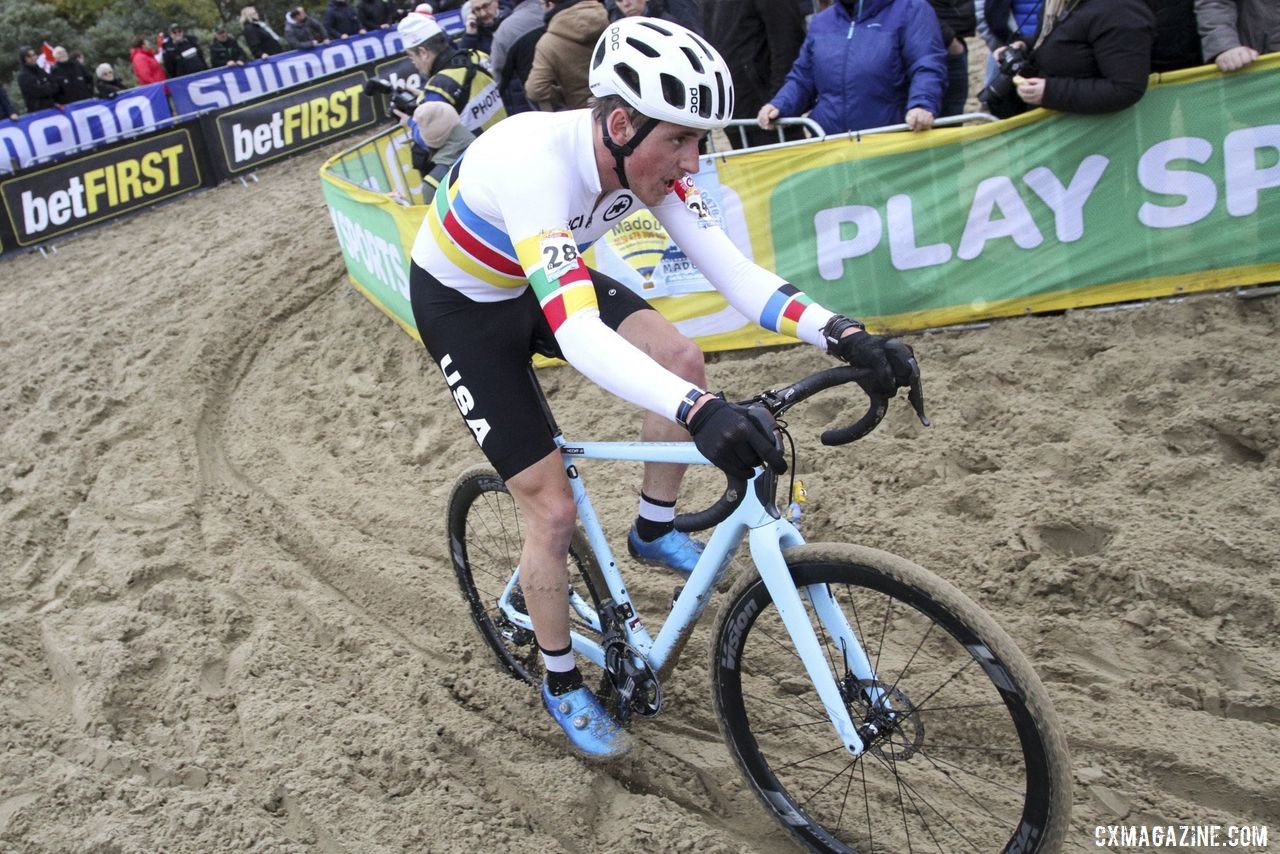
(768, 405)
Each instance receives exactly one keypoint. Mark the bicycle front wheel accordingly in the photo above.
(967, 754)
(485, 538)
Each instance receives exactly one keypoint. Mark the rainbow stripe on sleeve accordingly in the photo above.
(564, 296)
(783, 310)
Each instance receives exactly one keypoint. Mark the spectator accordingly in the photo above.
(258, 35)
(74, 80)
(459, 78)
(759, 39)
(558, 79)
(1001, 22)
(224, 49)
(1094, 60)
(7, 110)
(341, 20)
(958, 21)
(181, 53)
(441, 132)
(145, 65)
(107, 84)
(301, 31)
(686, 13)
(1234, 32)
(375, 14)
(480, 21)
(39, 89)
(866, 64)
(1177, 43)
(511, 67)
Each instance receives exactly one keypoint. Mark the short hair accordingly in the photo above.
(103, 68)
(437, 44)
(603, 107)
(244, 14)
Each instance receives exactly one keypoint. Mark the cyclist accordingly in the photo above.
(497, 274)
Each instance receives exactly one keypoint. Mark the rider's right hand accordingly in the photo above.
(728, 436)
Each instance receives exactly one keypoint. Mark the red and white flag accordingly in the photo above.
(45, 60)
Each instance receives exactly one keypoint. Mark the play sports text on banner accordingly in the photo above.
(1043, 212)
(1047, 211)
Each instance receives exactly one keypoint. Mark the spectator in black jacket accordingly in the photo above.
(1094, 57)
(341, 20)
(107, 84)
(39, 90)
(258, 35)
(1177, 43)
(224, 49)
(958, 21)
(760, 40)
(74, 80)
(686, 13)
(181, 53)
(375, 14)
(303, 31)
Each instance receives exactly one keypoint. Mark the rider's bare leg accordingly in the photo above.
(546, 503)
(659, 338)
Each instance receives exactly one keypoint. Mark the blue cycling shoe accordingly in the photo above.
(673, 550)
(592, 731)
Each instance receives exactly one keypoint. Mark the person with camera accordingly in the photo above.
(1092, 56)
(866, 64)
(456, 77)
(497, 274)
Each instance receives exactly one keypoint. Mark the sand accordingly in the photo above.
(228, 620)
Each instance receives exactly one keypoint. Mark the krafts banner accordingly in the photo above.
(293, 121)
(225, 87)
(1043, 212)
(48, 133)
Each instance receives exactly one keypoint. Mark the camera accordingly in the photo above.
(1001, 96)
(399, 98)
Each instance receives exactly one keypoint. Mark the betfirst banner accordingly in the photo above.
(293, 121)
(45, 134)
(112, 181)
(1043, 212)
(226, 87)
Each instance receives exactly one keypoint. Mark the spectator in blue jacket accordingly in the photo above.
(866, 64)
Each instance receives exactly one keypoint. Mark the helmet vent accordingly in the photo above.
(720, 92)
(599, 55)
(704, 101)
(693, 59)
(628, 75)
(700, 43)
(645, 48)
(673, 91)
(649, 22)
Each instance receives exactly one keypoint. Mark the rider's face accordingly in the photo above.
(665, 156)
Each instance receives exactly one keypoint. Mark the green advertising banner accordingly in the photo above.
(1046, 211)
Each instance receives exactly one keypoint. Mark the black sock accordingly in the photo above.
(562, 683)
(649, 530)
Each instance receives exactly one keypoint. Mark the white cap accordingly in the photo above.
(415, 28)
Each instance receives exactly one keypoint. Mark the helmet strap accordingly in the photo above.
(621, 152)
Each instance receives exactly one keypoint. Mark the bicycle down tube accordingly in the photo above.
(767, 535)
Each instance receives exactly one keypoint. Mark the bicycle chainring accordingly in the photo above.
(635, 685)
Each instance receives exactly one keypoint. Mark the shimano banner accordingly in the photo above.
(46, 134)
(225, 87)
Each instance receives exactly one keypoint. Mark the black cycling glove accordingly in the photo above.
(734, 438)
(892, 362)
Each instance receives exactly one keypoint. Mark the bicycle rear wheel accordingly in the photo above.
(485, 537)
(969, 756)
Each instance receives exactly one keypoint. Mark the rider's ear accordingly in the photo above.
(620, 128)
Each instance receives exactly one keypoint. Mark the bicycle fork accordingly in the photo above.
(766, 551)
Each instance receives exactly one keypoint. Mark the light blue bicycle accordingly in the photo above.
(869, 704)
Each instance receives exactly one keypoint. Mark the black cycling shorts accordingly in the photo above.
(484, 349)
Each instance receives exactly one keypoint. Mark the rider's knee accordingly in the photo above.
(684, 358)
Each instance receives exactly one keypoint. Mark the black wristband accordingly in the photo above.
(682, 411)
(837, 326)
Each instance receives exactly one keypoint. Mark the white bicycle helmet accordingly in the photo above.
(664, 71)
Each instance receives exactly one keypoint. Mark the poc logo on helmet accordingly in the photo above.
(693, 99)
